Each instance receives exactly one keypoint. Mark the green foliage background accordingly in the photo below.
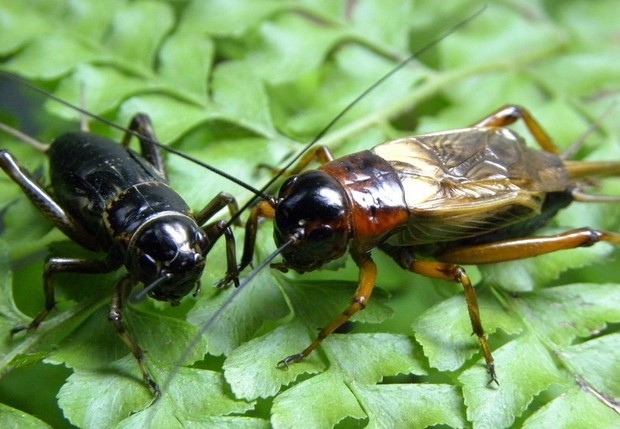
(236, 83)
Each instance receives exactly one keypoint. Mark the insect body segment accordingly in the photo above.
(110, 199)
(469, 196)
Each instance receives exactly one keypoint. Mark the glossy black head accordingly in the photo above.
(170, 246)
(313, 208)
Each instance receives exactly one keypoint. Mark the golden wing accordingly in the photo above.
(463, 183)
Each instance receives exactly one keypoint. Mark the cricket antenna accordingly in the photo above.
(140, 296)
(378, 83)
(572, 150)
(83, 111)
(353, 103)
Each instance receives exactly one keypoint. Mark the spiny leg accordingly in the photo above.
(63, 265)
(502, 251)
(366, 284)
(451, 272)
(588, 170)
(319, 153)
(510, 114)
(115, 316)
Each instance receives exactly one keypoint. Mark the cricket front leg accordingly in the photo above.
(367, 281)
(263, 210)
(215, 230)
(115, 316)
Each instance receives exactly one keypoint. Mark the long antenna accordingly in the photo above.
(272, 256)
(258, 193)
(105, 121)
(352, 104)
(138, 297)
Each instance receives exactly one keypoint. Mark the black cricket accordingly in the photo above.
(110, 199)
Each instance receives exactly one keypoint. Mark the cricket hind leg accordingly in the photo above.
(510, 114)
(527, 247)
(447, 266)
(405, 257)
(41, 199)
